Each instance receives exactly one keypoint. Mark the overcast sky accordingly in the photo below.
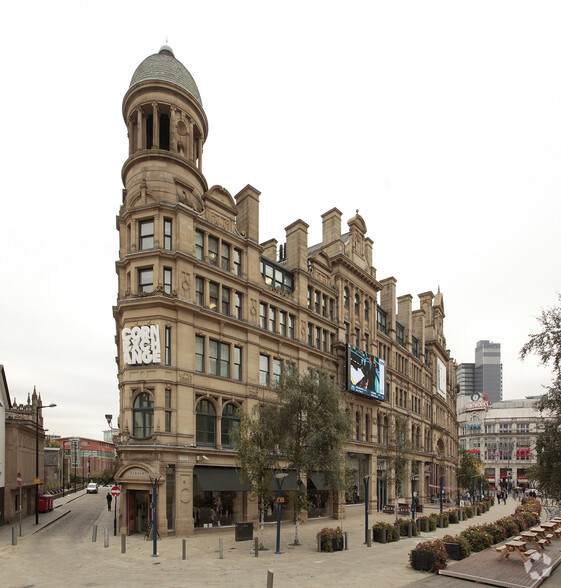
(439, 121)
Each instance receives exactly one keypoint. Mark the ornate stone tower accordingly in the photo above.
(163, 192)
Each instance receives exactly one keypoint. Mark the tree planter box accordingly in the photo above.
(338, 544)
(422, 560)
(454, 550)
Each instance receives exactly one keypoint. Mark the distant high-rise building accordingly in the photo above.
(485, 376)
(489, 370)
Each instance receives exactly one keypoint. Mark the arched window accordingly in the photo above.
(346, 297)
(143, 416)
(357, 421)
(367, 428)
(366, 310)
(230, 422)
(357, 304)
(206, 423)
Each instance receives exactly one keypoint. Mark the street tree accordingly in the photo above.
(397, 452)
(313, 429)
(546, 344)
(255, 442)
(469, 469)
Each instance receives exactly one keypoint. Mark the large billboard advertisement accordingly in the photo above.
(441, 377)
(366, 374)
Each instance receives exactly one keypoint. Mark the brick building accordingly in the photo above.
(88, 457)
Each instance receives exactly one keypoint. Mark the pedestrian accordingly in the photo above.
(505, 494)
(109, 499)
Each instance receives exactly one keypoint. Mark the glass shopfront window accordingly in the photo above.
(218, 497)
(359, 469)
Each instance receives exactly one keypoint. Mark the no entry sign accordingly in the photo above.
(18, 479)
(115, 491)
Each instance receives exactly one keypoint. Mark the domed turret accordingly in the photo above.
(163, 66)
(167, 129)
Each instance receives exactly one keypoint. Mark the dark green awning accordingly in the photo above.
(219, 479)
(318, 480)
(288, 484)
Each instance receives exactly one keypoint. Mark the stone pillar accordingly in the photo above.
(207, 295)
(155, 126)
(184, 521)
(134, 236)
(189, 148)
(158, 232)
(172, 129)
(140, 133)
(130, 128)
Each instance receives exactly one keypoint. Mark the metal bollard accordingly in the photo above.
(123, 543)
(410, 529)
(105, 538)
(94, 534)
(270, 578)
(184, 549)
(220, 550)
(346, 540)
(256, 547)
(369, 538)
(318, 537)
(14, 536)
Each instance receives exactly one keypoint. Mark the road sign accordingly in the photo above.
(280, 499)
(115, 491)
(18, 478)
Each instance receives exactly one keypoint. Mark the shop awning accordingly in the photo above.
(288, 484)
(219, 479)
(318, 480)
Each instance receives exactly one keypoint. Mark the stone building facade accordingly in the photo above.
(22, 436)
(207, 312)
(503, 434)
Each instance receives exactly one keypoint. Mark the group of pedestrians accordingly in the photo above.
(502, 495)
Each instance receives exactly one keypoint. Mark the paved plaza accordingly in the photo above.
(67, 561)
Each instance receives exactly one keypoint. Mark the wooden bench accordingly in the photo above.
(403, 510)
(388, 509)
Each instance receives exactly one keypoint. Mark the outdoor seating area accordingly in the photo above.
(535, 540)
(402, 509)
(527, 569)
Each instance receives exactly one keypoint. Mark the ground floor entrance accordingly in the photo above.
(139, 511)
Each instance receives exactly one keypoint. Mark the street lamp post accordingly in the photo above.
(109, 418)
(155, 478)
(37, 480)
(441, 491)
(366, 480)
(413, 478)
(279, 478)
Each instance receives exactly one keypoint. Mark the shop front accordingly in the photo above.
(359, 464)
(219, 498)
(135, 501)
